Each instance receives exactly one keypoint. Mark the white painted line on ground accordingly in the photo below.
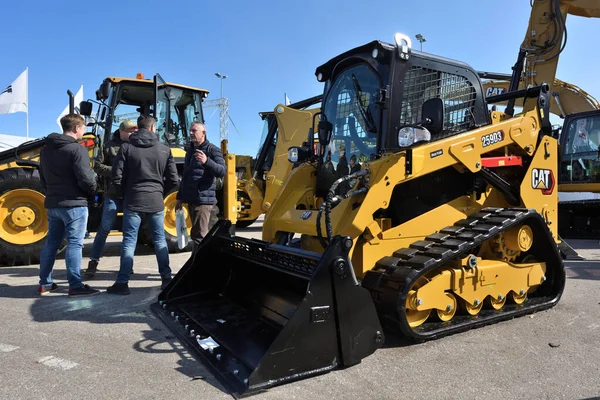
(5, 348)
(55, 362)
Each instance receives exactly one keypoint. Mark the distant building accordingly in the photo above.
(10, 141)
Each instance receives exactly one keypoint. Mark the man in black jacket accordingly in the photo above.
(203, 163)
(68, 179)
(112, 200)
(143, 172)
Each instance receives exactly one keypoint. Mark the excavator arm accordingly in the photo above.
(545, 39)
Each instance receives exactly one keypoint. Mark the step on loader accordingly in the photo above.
(409, 207)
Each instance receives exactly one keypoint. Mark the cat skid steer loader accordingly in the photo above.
(449, 224)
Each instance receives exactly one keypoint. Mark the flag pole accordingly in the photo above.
(27, 113)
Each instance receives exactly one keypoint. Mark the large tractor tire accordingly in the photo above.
(23, 220)
(170, 231)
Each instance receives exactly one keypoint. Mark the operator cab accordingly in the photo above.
(381, 98)
(174, 106)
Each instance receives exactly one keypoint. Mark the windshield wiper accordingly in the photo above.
(364, 111)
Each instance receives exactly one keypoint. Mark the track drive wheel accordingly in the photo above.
(471, 309)
(416, 317)
(520, 297)
(448, 313)
(497, 302)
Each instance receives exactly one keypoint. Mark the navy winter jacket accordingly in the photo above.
(198, 181)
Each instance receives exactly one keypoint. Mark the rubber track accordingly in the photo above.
(392, 277)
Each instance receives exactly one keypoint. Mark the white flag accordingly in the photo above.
(78, 99)
(287, 100)
(14, 98)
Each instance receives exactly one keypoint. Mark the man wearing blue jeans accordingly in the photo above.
(68, 179)
(143, 172)
(112, 199)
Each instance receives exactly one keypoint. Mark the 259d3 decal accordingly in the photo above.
(492, 138)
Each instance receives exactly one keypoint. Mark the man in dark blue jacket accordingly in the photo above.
(143, 172)
(69, 181)
(203, 163)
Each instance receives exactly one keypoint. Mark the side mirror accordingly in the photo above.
(104, 90)
(85, 108)
(325, 129)
(433, 115)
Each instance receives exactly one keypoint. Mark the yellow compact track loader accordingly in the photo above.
(409, 206)
(284, 127)
(23, 221)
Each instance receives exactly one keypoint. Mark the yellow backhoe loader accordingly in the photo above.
(284, 127)
(450, 222)
(23, 221)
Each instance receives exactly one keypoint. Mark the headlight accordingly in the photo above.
(408, 136)
(293, 154)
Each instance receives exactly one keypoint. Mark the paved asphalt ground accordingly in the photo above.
(113, 347)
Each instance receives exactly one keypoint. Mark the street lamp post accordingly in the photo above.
(221, 77)
(223, 110)
(421, 39)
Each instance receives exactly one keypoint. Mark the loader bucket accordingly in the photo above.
(261, 314)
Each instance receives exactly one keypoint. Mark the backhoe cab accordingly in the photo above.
(174, 106)
(409, 206)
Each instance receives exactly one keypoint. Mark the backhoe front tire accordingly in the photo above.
(21, 192)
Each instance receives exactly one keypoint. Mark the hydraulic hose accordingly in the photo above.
(332, 199)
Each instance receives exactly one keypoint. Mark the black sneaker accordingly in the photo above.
(165, 282)
(91, 269)
(118, 288)
(84, 290)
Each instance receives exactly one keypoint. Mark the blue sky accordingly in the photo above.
(266, 48)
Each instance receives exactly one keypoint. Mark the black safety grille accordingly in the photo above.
(421, 84)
